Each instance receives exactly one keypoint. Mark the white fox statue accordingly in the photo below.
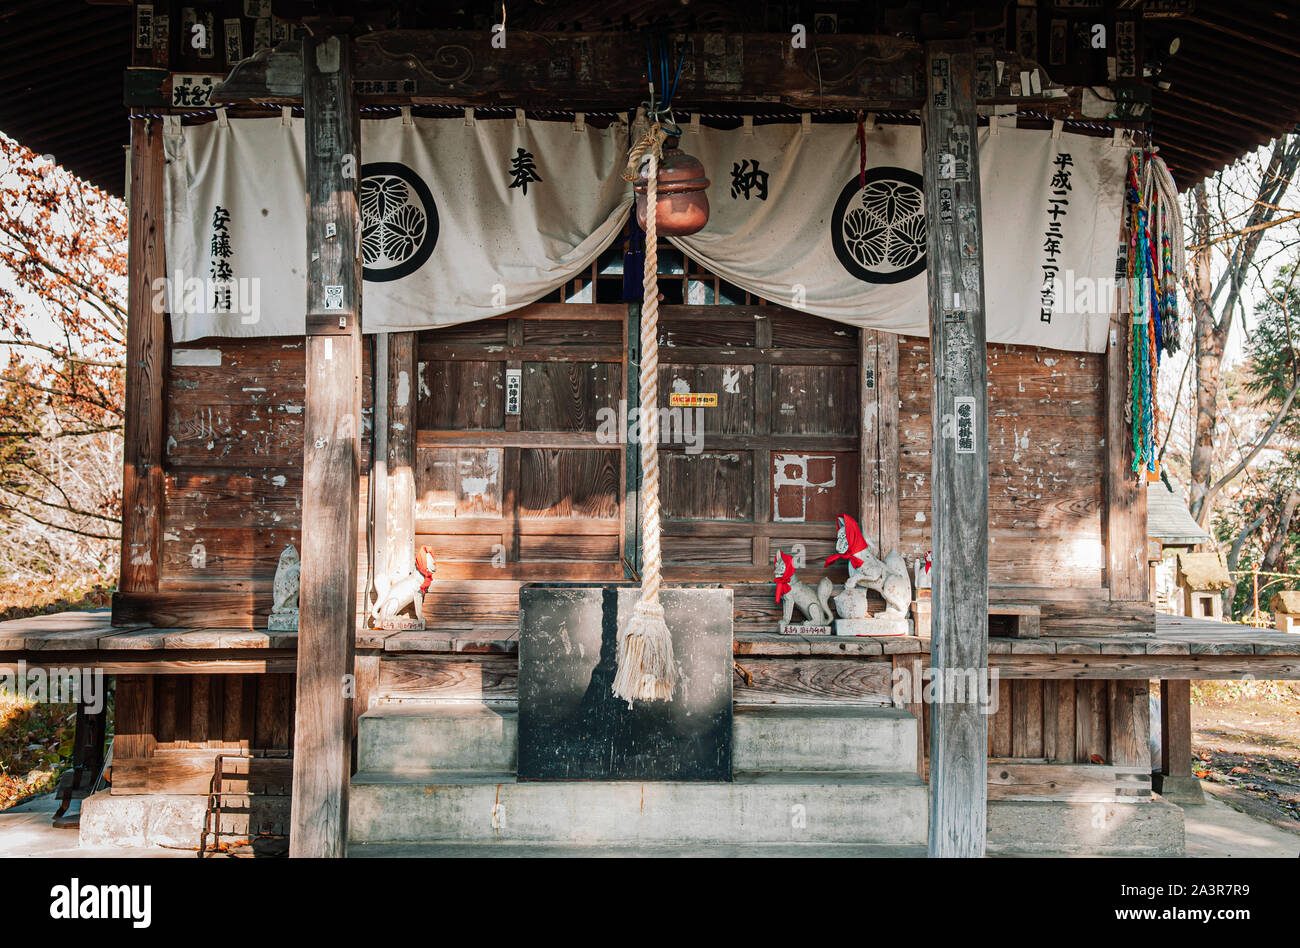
(791, 592)
(888, 577)
(408, 592)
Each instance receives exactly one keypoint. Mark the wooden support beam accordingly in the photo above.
(146, 367)
(1174, 779)
(878, 416)
(591, 70)
(1129, 721)
(1126, 496)
(535, 68)
(403, 385)
(331, 455)
(891, 528)
(377, 508)
(959, 462)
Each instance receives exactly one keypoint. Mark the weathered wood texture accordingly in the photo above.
(233, 482)
(1126, 495)
(879, 414)
(1047, 466)
(530, 494)
(541, 495)
(1075, 783)
(545, 68)
(146, 366)
(400, 508)
(1176, 727)
(1072, 722)
(332, 458)
(186, 719)
(560, 64)
(959, 445)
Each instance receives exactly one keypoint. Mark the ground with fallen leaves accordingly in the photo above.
(36, 739)
(1246, 746)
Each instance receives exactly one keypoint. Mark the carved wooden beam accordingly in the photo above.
(607, 70)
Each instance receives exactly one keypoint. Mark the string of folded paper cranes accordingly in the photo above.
(1155, 270)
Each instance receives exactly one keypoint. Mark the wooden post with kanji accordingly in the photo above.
(959, 452)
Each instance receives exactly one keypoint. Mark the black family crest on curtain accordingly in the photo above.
(399, 221)
(878, 230)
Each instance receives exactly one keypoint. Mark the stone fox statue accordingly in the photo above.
(790, 592)
(394, 597)
(889, 578)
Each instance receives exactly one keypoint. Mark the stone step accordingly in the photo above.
(440, 806)
(823, 738)
(509, 850)
(404, 738)
(769, 738)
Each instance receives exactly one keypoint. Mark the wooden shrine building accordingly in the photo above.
(482, 439)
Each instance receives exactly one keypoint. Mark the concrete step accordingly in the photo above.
(508, 850)
(417, 738)
(440, 806)
(823, 738)
(766, 738)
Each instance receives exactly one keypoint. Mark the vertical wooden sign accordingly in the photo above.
(959, 459)
(331, 475)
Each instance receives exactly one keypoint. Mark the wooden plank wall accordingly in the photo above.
(233, 481)
(1072, 721)
(542, 496)
(168, 728)
(527, 496)
(1047, 467)
(797, 394)
(780, 456)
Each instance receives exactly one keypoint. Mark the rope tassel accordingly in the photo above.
(646, 669)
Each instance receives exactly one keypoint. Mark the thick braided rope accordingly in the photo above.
(649, 414)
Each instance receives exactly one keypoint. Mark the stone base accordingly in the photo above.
(399, 624)
(175, 821)
(872, 626)
(571, 727)
(1185, 791)
(805, 628)
(282, 622)
(1059, 828)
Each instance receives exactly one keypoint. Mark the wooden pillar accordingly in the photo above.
(1174, 780)
(878, 470)
(403, 390)
(146, 366)
(959, 459)
(1126, 495)
(377, 511)
(331, 456)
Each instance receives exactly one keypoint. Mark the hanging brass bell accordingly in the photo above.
(682, 207)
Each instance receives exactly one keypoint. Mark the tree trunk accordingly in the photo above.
(1208, 354)
(1280, 534)
(1212, 334)
(1234, 557)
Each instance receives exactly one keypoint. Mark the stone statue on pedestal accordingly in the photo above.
(888, 577)
(403, 595)
(284, 607)
(813, 603)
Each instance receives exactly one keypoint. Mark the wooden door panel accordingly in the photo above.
(569, 482)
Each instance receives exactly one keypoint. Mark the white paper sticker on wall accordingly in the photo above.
(964, 413)
(513, 385)
(206, 357)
